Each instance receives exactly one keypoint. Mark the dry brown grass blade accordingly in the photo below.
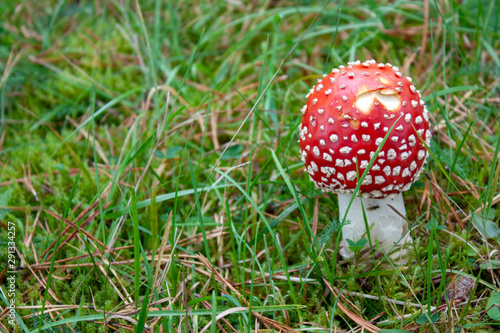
(2, 140)
(2, 326)
(453, 212)
(95, 141)
(354, 317)
(209, 306)
(21, 209)
(110, 317)
(208, 265)
(75, 232)
(161, 250)
(169, 89)
(217, 232)
(69, 227)
(264, 320)
(268, 322)
(83, 225)
(214, 132)
(315, 218)
(221, 316)
(28, 183)
(107, 266)
(11, 62)
(405, 31)
(40, 279)
(74, 226)
(29, 236)
(71, 172)
(214, 233)
(58, 316)
(51, 308)
(111, 263)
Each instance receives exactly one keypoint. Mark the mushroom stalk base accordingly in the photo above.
(386, 226)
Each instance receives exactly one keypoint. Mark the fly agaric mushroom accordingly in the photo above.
(347, 116)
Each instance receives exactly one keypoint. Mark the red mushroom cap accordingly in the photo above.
(348, 114)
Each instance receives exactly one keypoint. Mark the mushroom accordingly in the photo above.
(348, 115)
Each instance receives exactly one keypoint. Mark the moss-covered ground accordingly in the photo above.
(149, 167)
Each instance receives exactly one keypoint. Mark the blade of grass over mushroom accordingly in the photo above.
(358, 186)
(372, 161)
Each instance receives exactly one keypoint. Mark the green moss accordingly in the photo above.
(78, 50)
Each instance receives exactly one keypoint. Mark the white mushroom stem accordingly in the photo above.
(386, 226)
